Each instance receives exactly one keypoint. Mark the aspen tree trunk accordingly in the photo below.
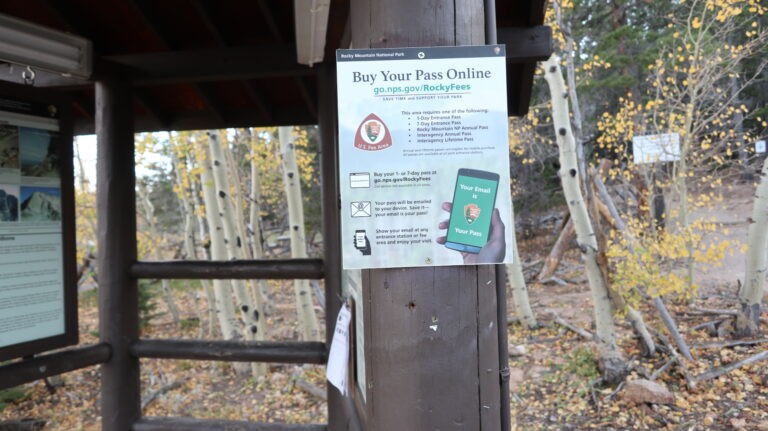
(310, 329)
(570, 69)
(149, 213)
(751, 294)
(612, 363)
(222, 289)
(519, 290)
(204, 251)
(254, 219)
(246, 252)
(259, 369)
(180, 172)
(232, 242)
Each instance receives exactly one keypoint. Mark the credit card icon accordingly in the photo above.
(360, 180)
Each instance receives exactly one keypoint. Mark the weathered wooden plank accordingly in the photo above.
(423, 348)
(488, 353)
(118, 293)
(24, 371)
(293, 352)
(190, 424)
(469, 22)
(273, 269)
(398, 23)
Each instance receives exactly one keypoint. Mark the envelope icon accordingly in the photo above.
(360, 209)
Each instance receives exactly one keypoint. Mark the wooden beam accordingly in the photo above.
(204, 14)
(274, 29)
(258, 99)
(309, 99)
(189, 424)
(214, 30)
(526, 44)
(52, 364)
(289, 352)
(269, 17)
(151, 109)
(271, 269)
(118, 292)
(157, 29)
(282, 116)
(75, 24)
(342, 415)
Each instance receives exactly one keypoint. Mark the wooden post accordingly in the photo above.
(342, 415)
(419, 378)
(118, 292)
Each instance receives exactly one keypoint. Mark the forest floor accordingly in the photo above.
(551, 383)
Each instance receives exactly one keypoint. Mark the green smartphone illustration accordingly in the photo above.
(474, 199)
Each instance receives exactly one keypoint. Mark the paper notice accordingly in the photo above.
(338, 359)
(760, 146)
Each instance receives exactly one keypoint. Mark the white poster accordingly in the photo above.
(760, 146)
(424, 157)
(656, 148)
(31, 256)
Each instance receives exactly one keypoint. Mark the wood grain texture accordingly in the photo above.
(488, 348)
(118, 292)
(423, 349)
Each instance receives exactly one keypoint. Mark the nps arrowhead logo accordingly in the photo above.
(471, 213)
(372, 134)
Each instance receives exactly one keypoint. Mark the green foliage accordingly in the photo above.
(147, 303)
(12, 395)
(190, 323)
(581, 362)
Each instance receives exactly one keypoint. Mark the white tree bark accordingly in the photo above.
(751, 294)
(257, 291)
(222, 289)
(251, 314)
(519, 290)
(254, 219)
(611, 361)
(310, 328)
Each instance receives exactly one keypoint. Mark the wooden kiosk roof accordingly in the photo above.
(200, 64)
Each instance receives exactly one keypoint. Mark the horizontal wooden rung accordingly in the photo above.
(270, 269)
(52, 364)
(189, 424)
(293, 352)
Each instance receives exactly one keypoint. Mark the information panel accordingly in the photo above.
(656, 148)
(424, 156)
(34, 314)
